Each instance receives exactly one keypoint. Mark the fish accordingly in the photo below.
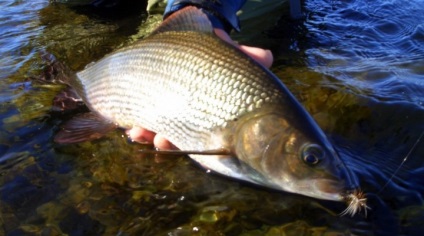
(217, 105)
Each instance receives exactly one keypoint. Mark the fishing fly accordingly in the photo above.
(357, 202)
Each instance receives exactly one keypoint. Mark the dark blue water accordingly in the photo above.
(374, 52)
(375, 46)
(357, 66)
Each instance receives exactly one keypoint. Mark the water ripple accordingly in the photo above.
(18, 26)
(378, 46)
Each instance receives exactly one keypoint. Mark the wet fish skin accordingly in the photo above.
(202, 93)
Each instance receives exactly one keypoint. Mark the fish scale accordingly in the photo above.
(149, 91)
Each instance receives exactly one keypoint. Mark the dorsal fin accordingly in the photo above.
(187, 19)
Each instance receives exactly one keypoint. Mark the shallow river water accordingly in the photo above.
(357, 66)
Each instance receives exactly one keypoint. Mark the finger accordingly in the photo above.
(162, 143)
(141, 135)
(224, 36)
(262, 56)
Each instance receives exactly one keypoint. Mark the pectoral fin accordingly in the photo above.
(84, 127)
(214, 152)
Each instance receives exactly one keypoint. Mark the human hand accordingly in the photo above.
(142, 135)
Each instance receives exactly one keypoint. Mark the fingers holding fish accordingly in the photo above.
(142, 135)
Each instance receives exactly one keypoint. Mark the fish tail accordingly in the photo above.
(55, 71)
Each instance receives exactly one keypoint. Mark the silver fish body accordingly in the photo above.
(202, 93)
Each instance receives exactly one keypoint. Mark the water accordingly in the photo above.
(356, 65)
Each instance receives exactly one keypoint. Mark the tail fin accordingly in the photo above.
(55, 71)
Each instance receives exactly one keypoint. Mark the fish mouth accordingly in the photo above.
(333, 190)
(329, 189)
(356, 202)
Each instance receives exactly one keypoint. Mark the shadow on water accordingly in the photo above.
(357, 71)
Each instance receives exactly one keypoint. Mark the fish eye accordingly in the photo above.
(312, 154)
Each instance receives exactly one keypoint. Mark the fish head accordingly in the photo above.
(292, 157)
(299, 164)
